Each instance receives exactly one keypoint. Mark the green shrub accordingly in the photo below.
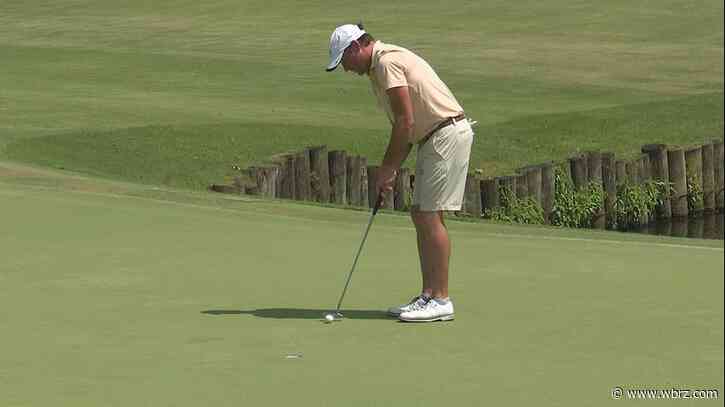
(636, 203)
(695, 195)
(514, 210)
(574, 208)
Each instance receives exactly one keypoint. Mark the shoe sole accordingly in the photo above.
(441, 318)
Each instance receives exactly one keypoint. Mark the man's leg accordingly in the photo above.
(425, 270)
(434, 250)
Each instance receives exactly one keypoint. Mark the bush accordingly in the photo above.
(574, 208)
(514, 210)
(695, 195)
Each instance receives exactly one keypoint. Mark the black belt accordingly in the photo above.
(444, 123)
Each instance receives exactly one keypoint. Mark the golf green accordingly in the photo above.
(123, 295)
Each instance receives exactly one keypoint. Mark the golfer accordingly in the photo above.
(423, 113)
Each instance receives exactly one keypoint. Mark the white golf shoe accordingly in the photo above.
(429, 312)
(413, 304)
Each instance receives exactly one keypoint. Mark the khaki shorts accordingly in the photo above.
(442, 167)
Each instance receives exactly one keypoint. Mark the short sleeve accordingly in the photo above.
(391, 73)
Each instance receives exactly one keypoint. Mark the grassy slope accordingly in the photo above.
(231, 82)
(96, 313)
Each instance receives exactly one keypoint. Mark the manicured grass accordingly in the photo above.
(119, 294)
(191, 156)
(235, 81)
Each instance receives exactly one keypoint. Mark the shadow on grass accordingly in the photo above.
(300, 313)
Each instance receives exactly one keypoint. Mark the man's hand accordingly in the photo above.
(385, 180)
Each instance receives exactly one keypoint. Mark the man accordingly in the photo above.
(423, 112)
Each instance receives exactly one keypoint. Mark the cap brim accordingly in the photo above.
(334, 63)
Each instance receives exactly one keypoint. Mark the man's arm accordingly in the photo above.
(399, 146)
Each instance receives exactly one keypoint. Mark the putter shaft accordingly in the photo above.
(362, 243)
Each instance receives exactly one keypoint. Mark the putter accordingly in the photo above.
(337, 315)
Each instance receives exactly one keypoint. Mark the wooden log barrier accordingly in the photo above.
(566, 169)
(547, 190)
(246, 181)
(594, 171)
(644, 169)
(717, 154)
(660, 172)
(320, 174)
(508, 184)
(533, 179)
(354, 179)
(708, 177)
(693, 171)
(678, 177)
(632, 169)
(286, 182)
(266, 180)
(609, 183)
(579, 171)
(364, 187)
(337, 168)
(402, 193)
(621, 171)
(489, 193)
(302, 176)
(472, 196)
(522, 187)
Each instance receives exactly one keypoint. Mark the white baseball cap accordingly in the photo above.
(341, 38)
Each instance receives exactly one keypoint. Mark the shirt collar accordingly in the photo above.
(375, 56)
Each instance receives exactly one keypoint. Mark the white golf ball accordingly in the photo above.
(329, 317)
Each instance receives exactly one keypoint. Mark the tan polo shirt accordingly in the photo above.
(433, 102)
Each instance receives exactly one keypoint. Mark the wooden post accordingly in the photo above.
(708, 177)
(337, 167)
(320, 172)
(533, 178)
(287, 177)
(402, 193)
(679, 224)
(594, 170)
(678, 177)
(247, 181)
(472, 196)
(621, 171)
(594, 166)
(645, 168)
(695, 226)
(547, 190)
(693, 169)
(489, 193)
(717, 155)
(579, 171)
(302, 176)
(364, 188)
(566, 168)
(266, 180)
(354, 176)
(609, 182)
(372, 196)
(522, 187)
(632, 168)
(660, 172)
